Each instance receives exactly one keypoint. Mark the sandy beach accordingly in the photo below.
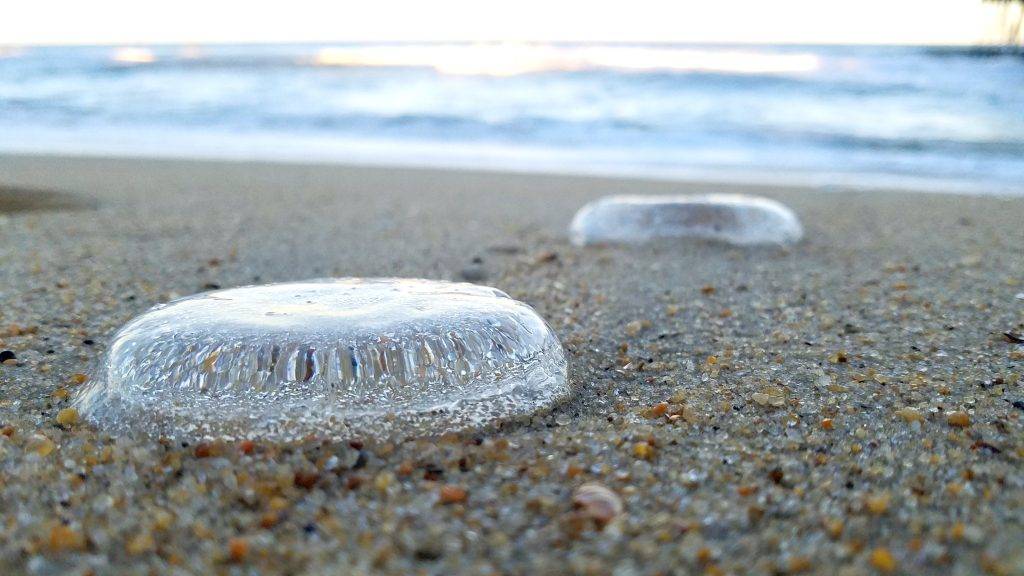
(849, 405)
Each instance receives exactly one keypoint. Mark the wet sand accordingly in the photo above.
(849, 405)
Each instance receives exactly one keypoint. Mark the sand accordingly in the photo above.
(848, 405)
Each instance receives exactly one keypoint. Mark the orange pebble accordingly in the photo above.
(268, 520)
(657, 410)
(453, 494)
(958, 419)
(883, 560)
(67, 417)
(238, 549)
(64, 538)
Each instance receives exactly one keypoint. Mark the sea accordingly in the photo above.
(948, 119)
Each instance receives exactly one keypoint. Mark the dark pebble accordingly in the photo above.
(504, 249)
(7, 355)
(428, 553)
(432, 472)
(360, 460)
(474, 273)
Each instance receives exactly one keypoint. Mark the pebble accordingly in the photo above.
(40, 444)
(306, 479)
(474, 273)
(910, 415)
(67, 417)
(883, 560)
(238, 549)
(141, 543)
(643, 450)
(66, 539)
(774, 398)
(633, 328)
(878, 504)
(958, 419)
(450, 494)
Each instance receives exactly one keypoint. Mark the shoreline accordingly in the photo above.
(265, 148)
(76, 180)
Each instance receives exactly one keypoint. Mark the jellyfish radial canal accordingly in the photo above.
(327, 358)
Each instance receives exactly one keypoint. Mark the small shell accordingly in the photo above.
(597, 502)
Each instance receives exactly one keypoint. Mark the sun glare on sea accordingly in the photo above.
(133, 55)
(477, 59)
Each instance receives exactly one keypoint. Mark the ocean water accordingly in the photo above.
(947, 119)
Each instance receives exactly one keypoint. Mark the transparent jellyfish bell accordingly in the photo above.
(731, 218)
(327, 358)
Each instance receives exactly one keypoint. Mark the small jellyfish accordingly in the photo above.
(732, 218)
(326, 358)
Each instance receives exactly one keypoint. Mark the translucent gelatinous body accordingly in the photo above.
(732, 218)
(329, 358)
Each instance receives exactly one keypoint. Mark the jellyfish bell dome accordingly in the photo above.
(332, 358)
(731, 218)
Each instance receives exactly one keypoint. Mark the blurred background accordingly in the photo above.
(912, 94)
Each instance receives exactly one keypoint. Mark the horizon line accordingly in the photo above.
(976, 44)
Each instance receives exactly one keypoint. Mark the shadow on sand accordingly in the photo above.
(14, 200)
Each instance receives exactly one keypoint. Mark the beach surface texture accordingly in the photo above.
(851, 404)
